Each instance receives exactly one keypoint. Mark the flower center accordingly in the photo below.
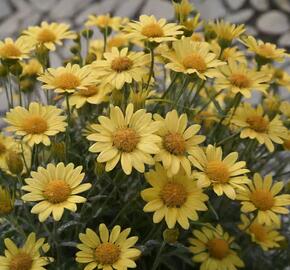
(174, 143)
(194, 61)
(46, 35)
(217, 171)
(258, 123)
(152, 30)
(262, 199)
(57, 191)
(10, 50)
(120, 64)
(107, 253)
(173, 194)
(240, 80)
(67, 80)
(35, 125)
(218, 248)
(259, 231)
(2, 148)
(21, 261)
(266, 49)
(125, 139)
(89, 91)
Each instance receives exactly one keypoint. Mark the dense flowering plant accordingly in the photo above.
(162, 145)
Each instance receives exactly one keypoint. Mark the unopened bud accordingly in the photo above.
(14, 163)
(16, 69)
(87, 33)
(6, 202)
(58, 150)
(171, 235)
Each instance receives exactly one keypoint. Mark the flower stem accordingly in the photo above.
(151, 67)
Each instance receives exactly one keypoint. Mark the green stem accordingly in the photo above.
(105, 34)
(151, 67)
(67, 138)
(157, 259)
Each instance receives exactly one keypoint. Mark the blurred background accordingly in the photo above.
(268, 19)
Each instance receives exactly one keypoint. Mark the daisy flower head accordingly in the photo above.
(265, 51)
(27, 257)
(93, 94)
(267, 237)
(256, 125)
(178, 141)
(32, 68)
(260, 196)
(15, 50)
(226, 32)
(55, 188)
(108, 250)
(121, 66)
(238, 78)
(225, 175)
(36, 124)
(149, 29)
(105, 21)
(48, 34)
(212, 248)
(176, 198)
(68, 79)
(192, 58)
(127, 137)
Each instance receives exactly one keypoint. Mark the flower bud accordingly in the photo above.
(171, 235)
(6, 202)
(58, 150)
(87, 33)
(16, 69)
(14, 163)
(3, 71)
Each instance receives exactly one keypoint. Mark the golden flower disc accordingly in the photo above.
(2, 148)
(239, 80)
(125, 139)
(218, 248)
(10, 50)
(259, 231)
(57, 191)
(173, 194)
(152, 30)
(21, 261)
(217, 171)
(120, 64)
(174, 143)
(258, 123)
(67, 80)
(46, 35)
(262, 199)
(194, 61)
(107, 253)
(89, 91)
(35, 125)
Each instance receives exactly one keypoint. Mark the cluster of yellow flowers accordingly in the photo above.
(168, 106)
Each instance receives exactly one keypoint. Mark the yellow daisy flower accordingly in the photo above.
(226, 31)
(120, 67)
(176, 198)
(28, 257)
(128, 138)
(68, 79)
(6, 144)
(258, 126)
(108, 250)
(119, 40)
(48, 35)
(55, 188)
(36, 124)
(182, 9)
(178, 141)
(212, 248)
(148, 28)
(193, 58)
(197, 37)
(18, 49)
(229, 53)
(224, 175)
(267, 237)
(285, 108)
(261, 197)
(31, 68)
(238, 78)
(105, 21)
(6, 202)
(94, 94)
(266, 51)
